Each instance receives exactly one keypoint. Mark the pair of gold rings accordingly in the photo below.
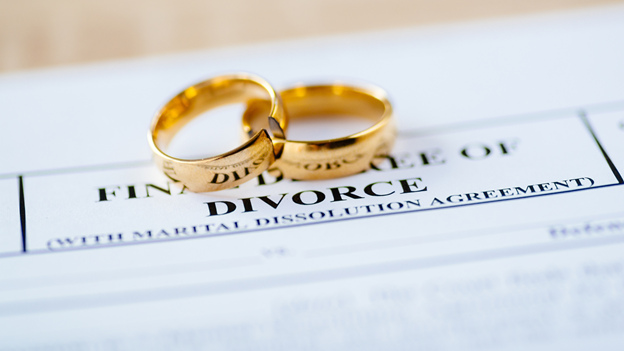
(265, 143)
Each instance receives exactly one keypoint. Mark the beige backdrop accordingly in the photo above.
(40, 33)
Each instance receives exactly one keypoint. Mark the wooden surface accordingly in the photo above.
(42, 33)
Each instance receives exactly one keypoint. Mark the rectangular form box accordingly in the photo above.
(10, 220)
(430, 171)
(608, 128)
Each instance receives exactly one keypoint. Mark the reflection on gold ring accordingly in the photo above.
(332, 158)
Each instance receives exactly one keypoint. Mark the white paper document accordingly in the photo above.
(497, 222)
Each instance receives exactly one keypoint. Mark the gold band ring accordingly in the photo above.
(231, 168)
(323, 159)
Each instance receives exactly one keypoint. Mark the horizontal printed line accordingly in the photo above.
(291, 279)
(449, 236)
(494, 121)
(124, 274)
(122, 165)
(571, 112)
(247, 231)
(14, 284)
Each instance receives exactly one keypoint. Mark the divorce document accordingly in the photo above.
(497, 221)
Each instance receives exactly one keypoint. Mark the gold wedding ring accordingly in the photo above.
(231, 168)
(324, 159)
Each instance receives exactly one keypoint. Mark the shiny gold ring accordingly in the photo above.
(323, 159)
(231, 168)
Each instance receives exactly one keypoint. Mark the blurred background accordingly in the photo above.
(45, 33)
